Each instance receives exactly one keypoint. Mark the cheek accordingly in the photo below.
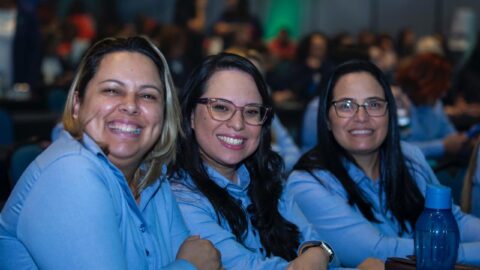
(154, 113)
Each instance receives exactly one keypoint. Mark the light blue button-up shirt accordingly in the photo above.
(201, 219)
(429, 125)
(73, 209)
(355, 238)
(309, 125)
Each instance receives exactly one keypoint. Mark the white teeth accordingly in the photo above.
(231, 141)
(361, 132)
(125, 128)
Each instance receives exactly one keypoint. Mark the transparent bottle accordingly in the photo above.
(436, 232)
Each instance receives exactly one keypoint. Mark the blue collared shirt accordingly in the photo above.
(353, 237)
(309, 125)
(201, 219)
(73, 209)
(429, 125)
(284, 145)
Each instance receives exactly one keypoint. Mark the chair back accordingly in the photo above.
(20, 160)
(6, 128)
(56, 100)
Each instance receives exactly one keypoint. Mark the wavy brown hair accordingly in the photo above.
(425, 77)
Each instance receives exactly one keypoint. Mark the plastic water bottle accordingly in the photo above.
(436, 232)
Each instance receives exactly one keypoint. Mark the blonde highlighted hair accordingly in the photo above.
(164, 150)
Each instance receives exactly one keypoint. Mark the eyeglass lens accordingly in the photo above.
(224, 110)
(348, 108)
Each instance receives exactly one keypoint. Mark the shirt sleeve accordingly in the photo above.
(432, 148)
(201, 220)
(70, 211)
(352, 236)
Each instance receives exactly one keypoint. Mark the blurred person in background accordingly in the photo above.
(425, 79)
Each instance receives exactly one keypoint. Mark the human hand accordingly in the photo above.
(314, 258)
(200, 252)
(371, 264)
(455, 142)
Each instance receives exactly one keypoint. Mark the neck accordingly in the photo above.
(229, 173)
(370, 164)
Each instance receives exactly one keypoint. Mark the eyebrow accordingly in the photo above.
(122, 84)
(366, 99)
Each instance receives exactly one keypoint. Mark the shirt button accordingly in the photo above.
(142, 228)
(147, 252)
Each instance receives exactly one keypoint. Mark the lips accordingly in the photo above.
(230, 140)
(125, 128)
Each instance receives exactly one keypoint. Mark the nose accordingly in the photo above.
(361, 114)
(236, 122)
(129, 104)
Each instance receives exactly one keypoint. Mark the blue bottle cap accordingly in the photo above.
(438, 197)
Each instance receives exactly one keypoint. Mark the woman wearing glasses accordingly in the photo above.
(227, 180)
(360, 186)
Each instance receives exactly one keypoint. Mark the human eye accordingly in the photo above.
(149, 96)
(110, 91)
(345, 105)
(221, 107)
(375, 104)
(252, 111)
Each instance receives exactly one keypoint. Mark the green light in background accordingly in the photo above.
(283, 13)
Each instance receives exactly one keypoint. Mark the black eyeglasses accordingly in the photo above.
(347, 108)
(223, 110)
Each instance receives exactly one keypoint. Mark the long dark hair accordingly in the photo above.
(278, 236)
(403, 198)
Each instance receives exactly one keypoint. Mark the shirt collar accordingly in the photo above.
(358, 175)
(223, 182)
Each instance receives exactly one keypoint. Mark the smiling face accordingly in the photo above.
(224, 145)
(123, 108)
(361, 134)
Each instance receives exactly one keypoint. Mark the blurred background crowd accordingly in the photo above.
(429, 51)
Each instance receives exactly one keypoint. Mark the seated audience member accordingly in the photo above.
(470, 199)
(95, 198)
(359, 186)
(425, 79)
(227, 179)
(310, 67)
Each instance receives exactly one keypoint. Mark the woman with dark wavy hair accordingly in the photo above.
(227, 179)
(359, 184)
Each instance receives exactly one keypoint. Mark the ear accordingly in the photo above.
(76, 105)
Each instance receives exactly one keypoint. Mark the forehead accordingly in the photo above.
(358, 86)
(234, 85)
(131, 63)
